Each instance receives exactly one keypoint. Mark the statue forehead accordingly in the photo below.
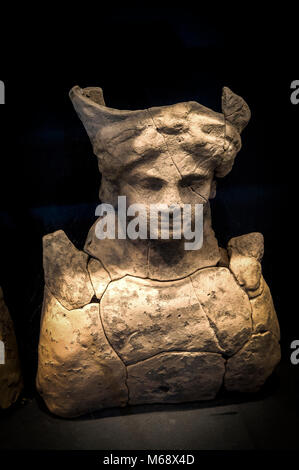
(180, 118)
(186, 136)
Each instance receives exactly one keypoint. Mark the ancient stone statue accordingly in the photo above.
(11, 382)
(146, 321)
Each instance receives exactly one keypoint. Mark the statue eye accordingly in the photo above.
(154, 184)
(191, 180)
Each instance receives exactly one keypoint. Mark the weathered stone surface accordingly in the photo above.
(99, 277)
(171, 260)
(160, 261)
(11, 382)
(167, 318)
(142, 318)
(251, 244)
(176, 377)
(263, 312)
(226, 305)
(119, 257)
(247, 271)
(235, 109)
(78, 371)
(180, 131)
(247, 370)
(65, 270)
(245, 253)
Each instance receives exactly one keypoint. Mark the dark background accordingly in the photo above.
(143, 57)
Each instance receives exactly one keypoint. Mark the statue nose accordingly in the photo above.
(173, 196)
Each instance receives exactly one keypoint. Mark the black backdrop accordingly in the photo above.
(142, 57)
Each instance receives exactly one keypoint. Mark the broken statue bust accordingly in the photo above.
(11, 382)
(145, 320)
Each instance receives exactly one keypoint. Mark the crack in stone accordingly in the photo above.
(260, 293)
(61, 304)
(98, 300)
(105, 334)
(212, 325)
(164, 280)
(254, 334)
(198, 194)
(94, 292)
(98, 259)
(173, 351)
(165, 142)
(172, 159)
(236, 279)
(249, 298)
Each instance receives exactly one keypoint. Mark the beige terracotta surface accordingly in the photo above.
(163, 261)
(251, 245)
(226, 305)
(171, 377)
(99, 277)
(78, 370)
(263, 312)
(155, 317)
(65, 270)
(147, 321)
(11, 382)
(250, 367)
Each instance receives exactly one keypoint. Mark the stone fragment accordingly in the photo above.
(65, 270)
(263, 313)
(98, 276)
(249, 368)
(252, 294)
(226, 305)
(235, 109)
(11, 382)
(78, 370)
(251, 244)
(248, 272)
(175, 377)
(142, 318)
(245, 254)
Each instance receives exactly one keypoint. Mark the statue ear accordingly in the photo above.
(236, 111)
(90, 106)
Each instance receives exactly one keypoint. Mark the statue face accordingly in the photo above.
(161, 182)
(169, 159)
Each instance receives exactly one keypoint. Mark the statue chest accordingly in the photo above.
(205, 312)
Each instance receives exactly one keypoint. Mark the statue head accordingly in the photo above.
(167, 154)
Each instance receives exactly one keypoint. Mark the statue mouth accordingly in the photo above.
(153, 221)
